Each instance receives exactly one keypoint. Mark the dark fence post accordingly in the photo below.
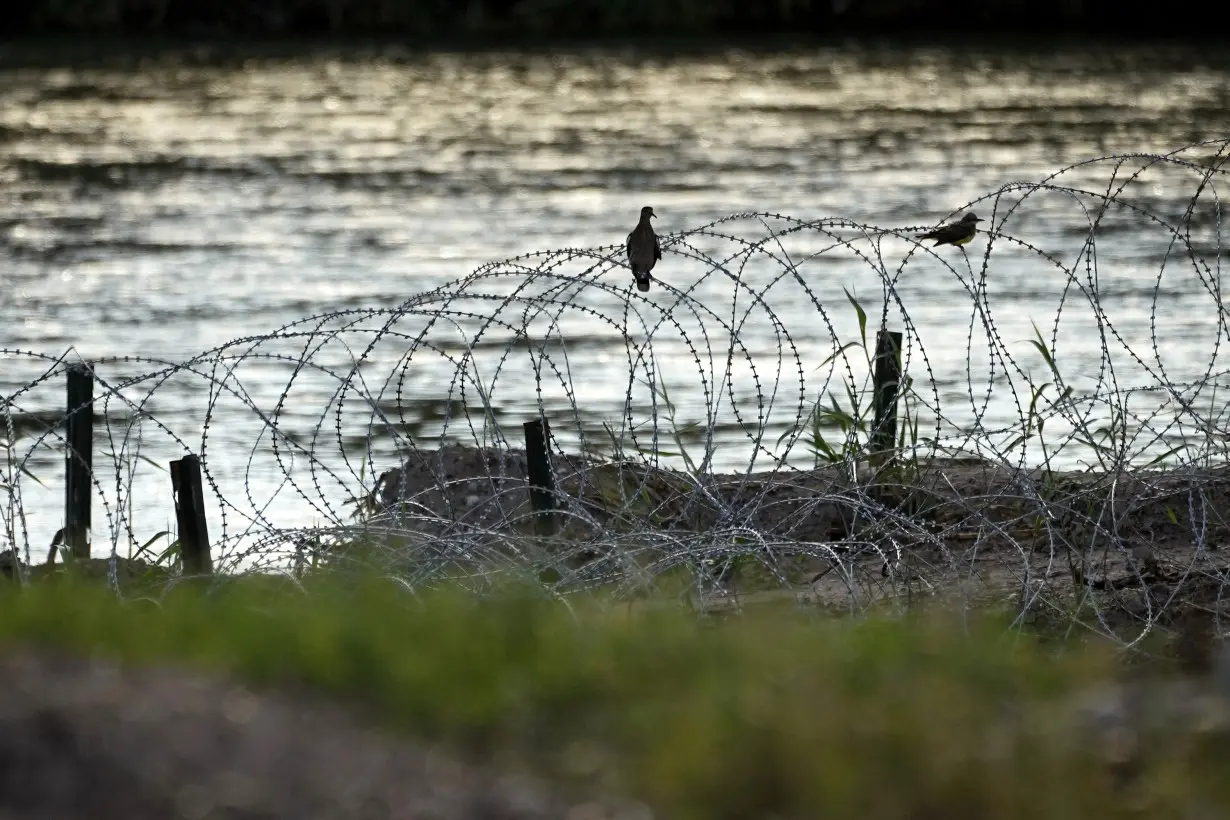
(542, 481)
(190, 516)
(887, 386)
(79, 460)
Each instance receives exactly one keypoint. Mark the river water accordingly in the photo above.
(154, 210)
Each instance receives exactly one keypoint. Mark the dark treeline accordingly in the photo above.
(498, 19)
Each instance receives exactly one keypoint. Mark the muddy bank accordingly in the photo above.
(1140, 540)
(455, 488)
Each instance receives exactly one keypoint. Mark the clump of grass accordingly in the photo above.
(769, 716)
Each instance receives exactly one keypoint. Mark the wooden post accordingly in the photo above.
(542, 480)
(79, 459)
(190, 516)
(887, 385)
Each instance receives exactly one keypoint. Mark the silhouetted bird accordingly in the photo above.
(954, 233)
(643, 249)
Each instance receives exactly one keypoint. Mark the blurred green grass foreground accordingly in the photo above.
(777, 715)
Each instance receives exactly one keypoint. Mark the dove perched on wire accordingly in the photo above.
(644, 249)
(954, 233)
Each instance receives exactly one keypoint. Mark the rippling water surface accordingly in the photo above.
(165, 208)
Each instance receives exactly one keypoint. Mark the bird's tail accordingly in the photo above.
(642, 280)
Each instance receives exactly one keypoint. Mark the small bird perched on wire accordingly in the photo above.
(954, 233)
(643, 249)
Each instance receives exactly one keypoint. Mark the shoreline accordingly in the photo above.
(1117, 553)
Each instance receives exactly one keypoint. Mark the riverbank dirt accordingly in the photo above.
(1121, 550)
